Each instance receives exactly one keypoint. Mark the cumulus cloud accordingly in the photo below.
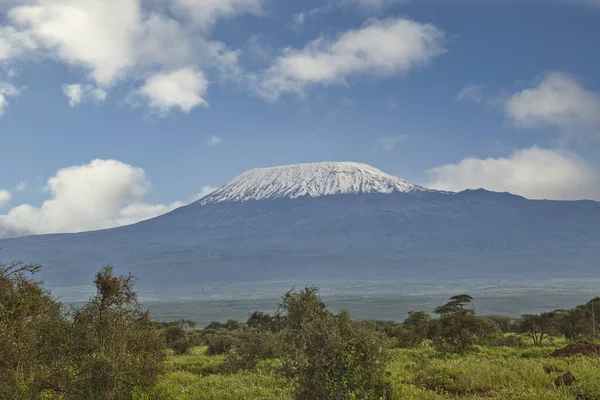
(205, 12)
(77, 94)
(5, 197)
(558, 100)
(373, 4)
(14, 43)
(6, 90)
(534, 173)
(101, 194)
(380, 47)
(116, 40)
(21, 186)
(214, 140)
(387, 143)
(183, 89)
(95, 34)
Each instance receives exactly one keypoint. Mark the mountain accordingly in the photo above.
(309, 180)
(331, 222)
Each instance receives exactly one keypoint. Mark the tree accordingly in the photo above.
(33, 356)
(418, 325)
(458, 329)
(457, 302)
(330, 356)
(176, 337)
(574, 323)
(505, 324)
(115, 346)
(538, 327)
(261, 320)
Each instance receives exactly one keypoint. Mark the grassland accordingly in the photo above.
(511, 373)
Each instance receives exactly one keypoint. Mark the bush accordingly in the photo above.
(251, 346)
(219, 342)
(331, 356)
(460, 330)
(109, 349)
(116, 348)
(33, 336)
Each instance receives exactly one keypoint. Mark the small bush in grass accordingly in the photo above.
(251, 346)
(219, 342)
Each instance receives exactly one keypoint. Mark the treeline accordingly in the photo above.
(110, 349)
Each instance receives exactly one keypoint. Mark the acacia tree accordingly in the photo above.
(538, 327)
(458, 329)
(457, 302)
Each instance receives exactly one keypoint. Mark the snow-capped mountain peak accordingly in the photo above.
(309, 180)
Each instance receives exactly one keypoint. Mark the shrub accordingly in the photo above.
(219, 342)
(251, 346)
(460, 330)
(33, 336)
(115, 348)
(331, 356)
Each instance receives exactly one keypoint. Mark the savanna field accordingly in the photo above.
(415, 374)
(111, 349)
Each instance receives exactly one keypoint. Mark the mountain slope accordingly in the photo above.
(367, 236)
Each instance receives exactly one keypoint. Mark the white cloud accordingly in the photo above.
(206, 190)
(214, 140)
(373, 4)
(183, 88)
(77, 94)
(534, 173)
(21, 186)
(94, 34)
(101, 194)
(6, 90)
(116, 40)
(380, 47)
(5, 197)
(388, 143)
(139, 212)
(206, 12)
(298, 21)
(473, 92)
(558, 100)
(14, 43)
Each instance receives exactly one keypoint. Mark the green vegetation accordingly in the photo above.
(110, 350)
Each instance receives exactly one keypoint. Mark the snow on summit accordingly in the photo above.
(311, 180)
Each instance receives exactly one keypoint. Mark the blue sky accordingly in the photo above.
(173, 97)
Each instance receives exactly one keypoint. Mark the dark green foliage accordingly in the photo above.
(575, 323)
(505, 324)
(251, 346)
(261, 320)
(117, 349)
(33, 334)
(330, 356)
(538, 327)
(457, 302)
(219, 342)
(176, 337)
(230, 325)
(458, 329)
(105, 350)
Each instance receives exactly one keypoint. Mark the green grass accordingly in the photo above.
(503, 373)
